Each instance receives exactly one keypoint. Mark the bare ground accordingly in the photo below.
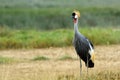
(107, 62)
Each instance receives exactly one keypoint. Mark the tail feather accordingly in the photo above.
(90, 64)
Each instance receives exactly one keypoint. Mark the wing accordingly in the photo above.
(82, 48)
(92, 54)
(90, 43)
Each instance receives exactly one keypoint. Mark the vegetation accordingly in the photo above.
(22, 22)
(29, 24)
(40, 58)
(14, 39)
(6, 60)
(55, 18)
(67, 57)
(100, 76)
(106, 64)
(58, 3)
(54, 14)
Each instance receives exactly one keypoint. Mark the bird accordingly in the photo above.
(83, 46)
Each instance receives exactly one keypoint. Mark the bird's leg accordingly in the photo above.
(80, 67)
(87, 65)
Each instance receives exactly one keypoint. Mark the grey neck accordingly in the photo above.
(76, 27)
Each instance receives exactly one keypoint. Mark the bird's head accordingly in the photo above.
(75, 15)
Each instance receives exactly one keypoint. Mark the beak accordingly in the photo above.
(72, 17)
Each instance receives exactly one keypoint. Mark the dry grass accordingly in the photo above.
(107, 65)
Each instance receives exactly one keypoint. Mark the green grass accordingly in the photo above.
(14, 39)
(58, 3)
(55, 18)
(54, 14)
(6, 60)
(40, 58)
(66, 57)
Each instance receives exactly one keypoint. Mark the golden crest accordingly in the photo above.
(77, 12)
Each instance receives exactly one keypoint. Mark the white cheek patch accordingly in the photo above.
(76, 16)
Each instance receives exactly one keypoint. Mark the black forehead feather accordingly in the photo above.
(73, 14)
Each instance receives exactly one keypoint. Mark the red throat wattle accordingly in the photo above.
(74, 20)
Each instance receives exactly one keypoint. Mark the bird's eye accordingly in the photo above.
(73, 14)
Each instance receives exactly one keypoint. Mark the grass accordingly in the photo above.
(66, 57)
(106, 65)
(55, 18)
(53, 14)
(6, 60)
(58, 3)
(106, 75)
(40, 58)
(16, 39)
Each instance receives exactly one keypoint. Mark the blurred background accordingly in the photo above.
(36, 39)
(54, 14)
(27, 20)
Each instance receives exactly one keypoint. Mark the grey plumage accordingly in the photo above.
(83, 47)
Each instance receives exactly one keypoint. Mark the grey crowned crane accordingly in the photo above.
(84, 47)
